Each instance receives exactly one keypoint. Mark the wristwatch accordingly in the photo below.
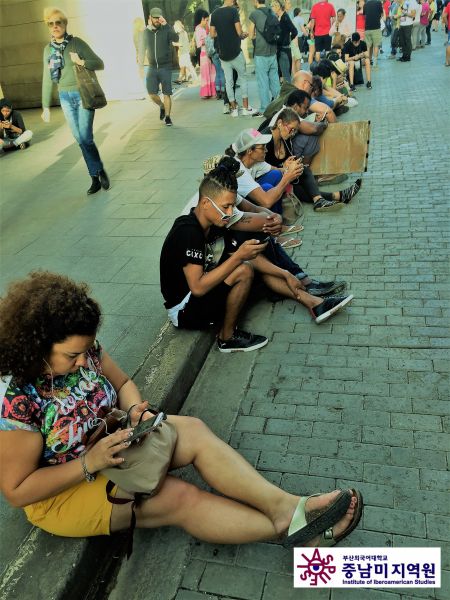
(90, 477)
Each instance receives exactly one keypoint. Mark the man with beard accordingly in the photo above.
(157, 43)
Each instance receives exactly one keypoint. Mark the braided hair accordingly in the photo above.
(222, 177)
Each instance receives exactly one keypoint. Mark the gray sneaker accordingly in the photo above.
(327, 205)
(242, 341)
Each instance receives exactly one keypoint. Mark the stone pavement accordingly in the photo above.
(361, 400)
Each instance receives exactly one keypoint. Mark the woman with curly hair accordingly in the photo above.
(57, 383)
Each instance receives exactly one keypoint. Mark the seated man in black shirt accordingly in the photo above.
(197, 292)
(13, 134)
(355, 50)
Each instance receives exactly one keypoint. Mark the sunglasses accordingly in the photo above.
(223, 215)
(291, 130)
(57, 23)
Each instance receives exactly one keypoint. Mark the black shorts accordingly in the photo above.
(322, 42)
(162, 76)
(202, 311)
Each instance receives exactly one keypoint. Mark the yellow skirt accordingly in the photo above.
(80, 511)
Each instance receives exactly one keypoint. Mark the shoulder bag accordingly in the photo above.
(92, 95)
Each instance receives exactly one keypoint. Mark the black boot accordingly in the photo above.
(104, 179)
(95, 186)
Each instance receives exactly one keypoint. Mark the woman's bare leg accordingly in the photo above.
(258, 511)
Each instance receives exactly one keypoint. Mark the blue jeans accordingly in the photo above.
(80, 121)
(220, 75)
(266, 69)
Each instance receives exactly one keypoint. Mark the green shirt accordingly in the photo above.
(68, 82)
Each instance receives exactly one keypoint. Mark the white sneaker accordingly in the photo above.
(226, 109)
(352, 102)
(235, 112)
(249, 111)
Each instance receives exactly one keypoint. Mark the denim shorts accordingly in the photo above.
(162, 76)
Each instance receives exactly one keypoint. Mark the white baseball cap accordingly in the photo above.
(248, 138)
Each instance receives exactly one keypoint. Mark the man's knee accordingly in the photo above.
(244, 272)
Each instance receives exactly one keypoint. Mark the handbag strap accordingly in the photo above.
(130, 533)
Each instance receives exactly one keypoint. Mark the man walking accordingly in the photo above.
(373, 10)
(226, 26)
(265, 55)
(157, 43)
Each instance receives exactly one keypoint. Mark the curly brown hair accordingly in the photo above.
(41, 310)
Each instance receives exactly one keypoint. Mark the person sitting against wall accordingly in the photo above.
(57, 384)
(13, 133)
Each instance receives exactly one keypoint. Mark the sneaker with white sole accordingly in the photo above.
(249, 111)
(234, 112)
(329, 307)
(226, 109)
(242, 341)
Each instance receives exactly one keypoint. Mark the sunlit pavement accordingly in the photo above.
(361, 399)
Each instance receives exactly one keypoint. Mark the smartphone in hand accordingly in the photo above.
(147, 426)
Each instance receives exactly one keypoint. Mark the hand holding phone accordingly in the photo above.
(147, 426)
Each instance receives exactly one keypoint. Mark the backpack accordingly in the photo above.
(209, 46)
(272, 30)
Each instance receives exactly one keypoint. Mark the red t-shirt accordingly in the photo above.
(387, 6)
(322, 13)
(447, 10)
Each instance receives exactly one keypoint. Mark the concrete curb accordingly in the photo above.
(86, 566)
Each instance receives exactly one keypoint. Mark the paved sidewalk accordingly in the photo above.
(360, 400)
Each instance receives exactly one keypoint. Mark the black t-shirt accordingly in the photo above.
(271, 157)
(15, 118)
(373, 9)
(288, 31)
(185, 244)
(352, 50)
(224, 19)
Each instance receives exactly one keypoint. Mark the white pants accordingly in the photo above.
(20, 139)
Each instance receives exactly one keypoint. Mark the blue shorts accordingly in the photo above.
(162, 76)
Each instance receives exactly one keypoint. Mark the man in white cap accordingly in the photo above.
(157, 43)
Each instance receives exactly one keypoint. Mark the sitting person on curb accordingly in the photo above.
(56, 387)
(301, 81)
(259, 181)
(279, 280)
(13, 133)
(252, 153)
(356, 50)
(306, 141)
(197, 293)
(248, 220)
(281, 148)
(328, 95)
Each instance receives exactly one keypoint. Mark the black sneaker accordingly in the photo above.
(242, 341)
(369, 85)
(329, 306)
(353, 88)
(168, 121)
(327, 205)
(350, 192)
(162, 113)
(323, 288)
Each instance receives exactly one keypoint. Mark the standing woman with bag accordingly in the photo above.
(61, 56)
